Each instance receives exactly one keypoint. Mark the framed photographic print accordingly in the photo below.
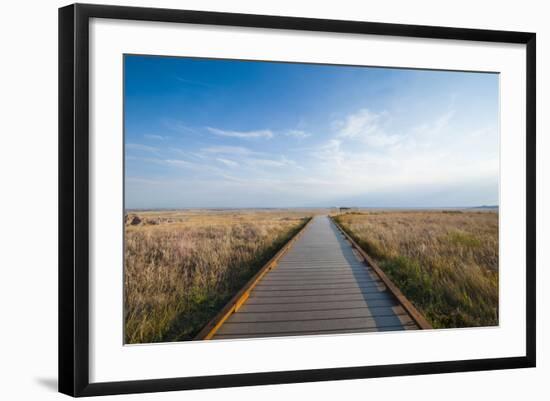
(250, 199)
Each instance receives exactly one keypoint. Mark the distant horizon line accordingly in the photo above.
(316, 207)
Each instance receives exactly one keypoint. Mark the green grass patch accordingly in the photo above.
(459, 238)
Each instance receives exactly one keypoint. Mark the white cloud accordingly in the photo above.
(367, 127)
(197, 170)
(228, 150)
(227, 162)
(155, 137)
(298, 134)
(329, 152)
(178, 126)
(432, 128)
(179, 163)
(241, 134)
(283, 162)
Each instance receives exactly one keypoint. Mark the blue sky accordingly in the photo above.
(222, 133)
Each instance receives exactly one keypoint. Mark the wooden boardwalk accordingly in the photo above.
(320, 286)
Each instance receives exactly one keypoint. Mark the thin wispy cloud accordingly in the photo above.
(179, 162)
(438, 122)
(299, 134)
(178, 126)
(155, 137)
(368, 127)
(193, 171)
(227, 162)
(282, 162)
(228, 150)
(241, 134)
(329, 151)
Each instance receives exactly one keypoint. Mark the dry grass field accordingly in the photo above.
(445, 262)
(181, 267)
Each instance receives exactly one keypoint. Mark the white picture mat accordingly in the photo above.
(111, 361)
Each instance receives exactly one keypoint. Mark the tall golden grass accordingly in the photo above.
(446, 263)
(182, 267)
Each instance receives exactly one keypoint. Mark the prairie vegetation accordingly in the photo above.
(181, 267)
(445, 262)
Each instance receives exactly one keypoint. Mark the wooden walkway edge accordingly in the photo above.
(403, 300)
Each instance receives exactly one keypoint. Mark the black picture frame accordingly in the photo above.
(74, 198)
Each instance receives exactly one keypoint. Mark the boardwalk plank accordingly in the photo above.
(309, 325)
(317, 315)
(314, 276)
(290, 286)
(311, 306)
(314, 333)
(367, 291)
(317, 280)
(257, 299)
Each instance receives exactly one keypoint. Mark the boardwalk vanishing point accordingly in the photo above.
(320, 283)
